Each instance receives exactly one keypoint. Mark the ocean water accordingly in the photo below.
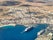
(14, 33)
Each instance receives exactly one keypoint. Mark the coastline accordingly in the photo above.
(7, 25)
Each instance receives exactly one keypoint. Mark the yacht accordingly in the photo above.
(40, 32)
(27, 29)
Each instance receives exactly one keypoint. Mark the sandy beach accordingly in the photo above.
(8, 25)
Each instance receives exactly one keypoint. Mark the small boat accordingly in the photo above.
(30, 28)
(40, 32)
(27, 29)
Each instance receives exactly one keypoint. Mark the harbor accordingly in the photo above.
(26, 20)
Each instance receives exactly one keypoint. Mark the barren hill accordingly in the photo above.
(12, 11)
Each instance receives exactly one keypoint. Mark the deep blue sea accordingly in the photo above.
(14, 33)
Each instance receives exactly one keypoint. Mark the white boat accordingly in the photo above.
(27, 29)
(40, 32)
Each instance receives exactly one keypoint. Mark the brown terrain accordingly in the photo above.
(41, 8)
(35, 6)
(27, 13)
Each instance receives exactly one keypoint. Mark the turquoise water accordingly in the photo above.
(14, 33)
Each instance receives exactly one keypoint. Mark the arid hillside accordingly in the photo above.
(18, 11)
